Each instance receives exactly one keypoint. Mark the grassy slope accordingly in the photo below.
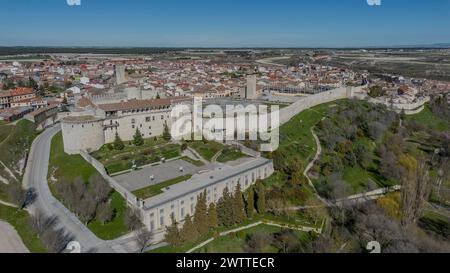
(297, 141)
(5, 130)
(230, 155)
(70, 167)
(426, 117)
(21, 136)
(297, 133)
(206, 150)
(14, 140)
(19, 219)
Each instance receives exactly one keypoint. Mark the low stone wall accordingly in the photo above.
(407, 108)
(131, 199)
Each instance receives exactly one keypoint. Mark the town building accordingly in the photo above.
(7, 98)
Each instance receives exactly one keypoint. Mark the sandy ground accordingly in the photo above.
(10, 241)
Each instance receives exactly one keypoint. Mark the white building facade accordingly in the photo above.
(181, 199)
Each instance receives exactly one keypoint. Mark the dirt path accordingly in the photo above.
(10, 241)
(311, 165)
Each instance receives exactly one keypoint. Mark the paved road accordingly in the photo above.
(36, 177)
(10, 241)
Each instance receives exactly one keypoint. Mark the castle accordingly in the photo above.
(98, 124)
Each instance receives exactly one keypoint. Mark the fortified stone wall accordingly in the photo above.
(286, 114)
(131, 199)
(82, 134)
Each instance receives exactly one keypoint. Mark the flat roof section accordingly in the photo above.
(201, 181)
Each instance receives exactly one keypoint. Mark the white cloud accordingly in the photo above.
(74, 2)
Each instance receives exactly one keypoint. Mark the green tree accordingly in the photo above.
(189, 233)
(238, 205)
(213, 220)
(250, 204)
(172, 236)
(223, 209)
(260, 198)
(118, 143)
(137, 138)
(201, 214)
(166, 134)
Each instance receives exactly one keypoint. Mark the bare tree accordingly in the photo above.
(41, 223)
(416, 188)
(105, 213)
(132, 219)
(100, 187)
(143, 238)
(55, 239)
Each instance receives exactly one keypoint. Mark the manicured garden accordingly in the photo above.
(206, 149)
(197, 163)
(230, 154)
(152, 151)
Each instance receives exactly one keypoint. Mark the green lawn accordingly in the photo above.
(197, 163)
(65, 168)
(206, 150)
(116, 228)
(68, 167)
(427, 118)
(151, 152)
(358, 179)
(19, 219)
(229, 154)
(154, 190)
(236, 242)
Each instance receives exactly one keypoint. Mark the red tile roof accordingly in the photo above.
(21, 91)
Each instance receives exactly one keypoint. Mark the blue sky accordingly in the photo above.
(224, 23)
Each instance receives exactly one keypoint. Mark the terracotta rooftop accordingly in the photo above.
(42, 110)
(21, 91)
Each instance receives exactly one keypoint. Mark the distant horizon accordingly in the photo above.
(411, 46)
(224, 23)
